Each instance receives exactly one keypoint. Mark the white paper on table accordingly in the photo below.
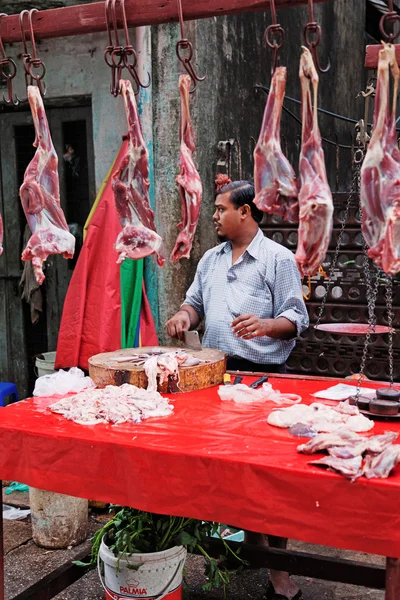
(342, 391)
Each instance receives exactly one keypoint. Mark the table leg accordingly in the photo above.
(392, 579)
(1, 545)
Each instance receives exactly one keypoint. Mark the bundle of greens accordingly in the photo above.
(133, 531)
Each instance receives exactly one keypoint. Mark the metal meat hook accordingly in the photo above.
(181, 47)
(313, 30)
(129, 51)
(35, 68)
(389, 18)
(8, 70)
(274, 36)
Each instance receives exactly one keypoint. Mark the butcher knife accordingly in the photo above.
(191, 340)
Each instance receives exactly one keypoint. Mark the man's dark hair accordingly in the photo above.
(241, 193)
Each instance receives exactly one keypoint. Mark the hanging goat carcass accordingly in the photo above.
(188, 180)
(40, 196)
(380, 173)
(274, 178)
(315, 198)
(130, 184)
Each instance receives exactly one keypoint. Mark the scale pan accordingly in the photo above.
(353, 328)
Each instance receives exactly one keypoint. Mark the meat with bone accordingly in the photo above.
(382, 464)
(274, 178)
(315, 198)
(188, 180)
(40, 196)
(350, 467)
(1, 236)
(380, 173)
(346, 444)
(323, 441)
(130, 185)
(164, 365)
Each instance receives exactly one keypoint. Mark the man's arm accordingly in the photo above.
(191, 312)
(186, 318)
(291, 316)
(250, 326)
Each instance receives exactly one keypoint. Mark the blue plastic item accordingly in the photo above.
(16, 487)
(8, 389)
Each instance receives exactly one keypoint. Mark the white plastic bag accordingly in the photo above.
(342, 391)
(11, 513)
(62, 382)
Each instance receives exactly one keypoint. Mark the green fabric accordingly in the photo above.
(131, 278)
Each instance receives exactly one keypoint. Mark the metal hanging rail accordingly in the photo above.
(89, 18)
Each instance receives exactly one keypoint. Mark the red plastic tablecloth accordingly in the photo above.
(209, 460)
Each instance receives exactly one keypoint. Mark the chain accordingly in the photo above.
(371, 327)
(389, 305)
(354, 191)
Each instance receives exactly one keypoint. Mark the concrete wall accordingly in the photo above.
(75, 67)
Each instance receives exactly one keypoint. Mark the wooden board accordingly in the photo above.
(372, 55)
(105, 370)
(89, 18)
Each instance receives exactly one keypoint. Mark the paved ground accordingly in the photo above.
(26, 563)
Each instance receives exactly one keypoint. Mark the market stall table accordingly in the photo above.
(209, 460)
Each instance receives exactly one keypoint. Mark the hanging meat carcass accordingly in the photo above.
(130, 184)
(315, 198)
(274, 178)
(188, 180)
(380, 173)
(40, 196)
(1, 236)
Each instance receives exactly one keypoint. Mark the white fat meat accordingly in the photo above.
(113, 404)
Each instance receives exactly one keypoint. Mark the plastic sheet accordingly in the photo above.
(209, 460)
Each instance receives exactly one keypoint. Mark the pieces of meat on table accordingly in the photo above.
(350, 467)
(40, 196)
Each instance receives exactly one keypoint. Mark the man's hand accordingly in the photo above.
(250, 326)
(179, 322)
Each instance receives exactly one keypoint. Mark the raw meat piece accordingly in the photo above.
(323, 441)
(380, 173)
(164, 365)
(190, 187)
(315, 198)
(1, 236)
(130, 185)
(126, 403)
(381, 465)
(359, 423)
(274, 178)
(356, 448)
(287, 417)
(40, 196)
(378, 443)
(350, 467)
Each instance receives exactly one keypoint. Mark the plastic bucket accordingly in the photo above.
(45, 365)
(159, 574)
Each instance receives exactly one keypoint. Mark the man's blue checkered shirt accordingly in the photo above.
(264, 282)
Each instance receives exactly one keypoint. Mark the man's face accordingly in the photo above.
(227, 218)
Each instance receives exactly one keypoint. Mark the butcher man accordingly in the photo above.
(248, 289)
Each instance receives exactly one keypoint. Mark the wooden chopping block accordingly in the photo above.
(107, 369)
